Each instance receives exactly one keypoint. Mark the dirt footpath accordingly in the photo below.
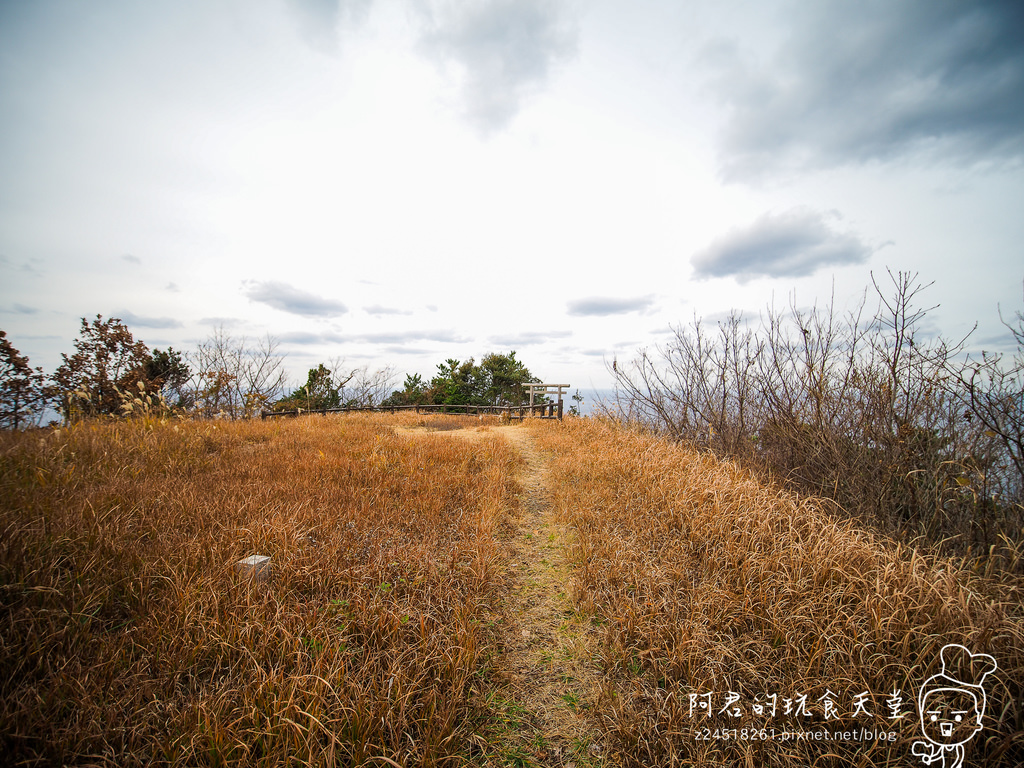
(551, 671)
(549, 679)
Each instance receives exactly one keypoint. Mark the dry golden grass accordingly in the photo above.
(705, 580)
(127, 637)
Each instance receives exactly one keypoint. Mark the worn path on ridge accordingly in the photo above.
(550, 678)
(551, 667)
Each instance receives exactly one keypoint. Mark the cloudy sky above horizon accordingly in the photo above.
(397, 183)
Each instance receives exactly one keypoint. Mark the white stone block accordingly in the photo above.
(256, 567)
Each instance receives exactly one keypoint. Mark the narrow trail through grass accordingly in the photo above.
(550, 680)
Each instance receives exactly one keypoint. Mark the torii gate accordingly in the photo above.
(542, 389)
(547, 389)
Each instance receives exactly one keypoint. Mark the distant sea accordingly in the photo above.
(590, 398)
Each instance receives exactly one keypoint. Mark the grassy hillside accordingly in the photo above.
(127, 636)
(706, 581)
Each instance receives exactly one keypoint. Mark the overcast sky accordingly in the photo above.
(398, 183)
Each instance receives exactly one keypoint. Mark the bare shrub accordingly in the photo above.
(872, 414)
(991, 390)
(362, 387)
(234, 377)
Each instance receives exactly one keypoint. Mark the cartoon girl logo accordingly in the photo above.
(951, 704)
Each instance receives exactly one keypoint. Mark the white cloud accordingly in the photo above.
(21, 309)
(142, 321)
(503, 51)
(289, 299)
(378, 309)
(609, 305)
(320, 21)
(793, 243)
(527, 338)
(405, 337)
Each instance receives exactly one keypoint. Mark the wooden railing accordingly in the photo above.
(546, 410)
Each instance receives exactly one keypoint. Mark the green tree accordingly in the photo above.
(505, 378)
(169, 374)
(319, 392)
(412, 393)
(23, 390)
(497, 380)
(107, 362)
(577, 409)
(456, 383)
